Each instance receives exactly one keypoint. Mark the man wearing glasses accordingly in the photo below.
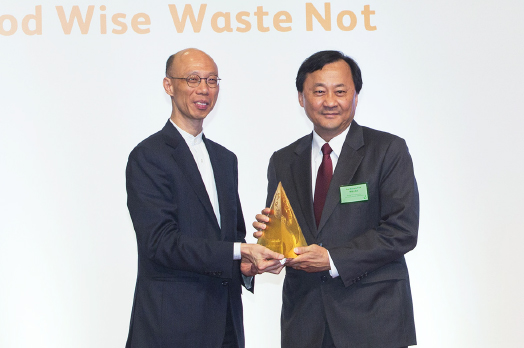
(183, 201)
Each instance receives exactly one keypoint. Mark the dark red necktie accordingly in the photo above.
(325, 172)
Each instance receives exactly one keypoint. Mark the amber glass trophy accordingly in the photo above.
(282, 233)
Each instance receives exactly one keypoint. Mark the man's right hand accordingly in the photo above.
(260, 224)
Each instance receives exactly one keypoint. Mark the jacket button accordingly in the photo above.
(323, 279)
(225, 282)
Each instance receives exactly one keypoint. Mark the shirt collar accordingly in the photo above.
(189, 138)
(336, 143)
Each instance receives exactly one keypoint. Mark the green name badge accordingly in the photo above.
(353, 193)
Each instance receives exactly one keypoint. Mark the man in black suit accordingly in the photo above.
(183, 200)
(354, 194)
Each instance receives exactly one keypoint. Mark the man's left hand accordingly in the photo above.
(257, 259)
(313, 258)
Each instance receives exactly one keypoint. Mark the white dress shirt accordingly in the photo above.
(316, 159)
(198, 149)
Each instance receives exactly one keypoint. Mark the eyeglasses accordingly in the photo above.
(194, 80)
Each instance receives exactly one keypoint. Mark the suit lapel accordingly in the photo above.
(347, 165)
(224, 190)
(301, 172)
(184, 158)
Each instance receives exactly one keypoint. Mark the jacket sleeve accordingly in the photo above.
(155, 215)
(396, 231)
(272, 181)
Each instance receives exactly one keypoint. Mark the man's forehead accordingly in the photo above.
(339, 66)
(326, 83)
(338, 75)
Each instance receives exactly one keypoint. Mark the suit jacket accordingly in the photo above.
(186, 273)
(369, 304)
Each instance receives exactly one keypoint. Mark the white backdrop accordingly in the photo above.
(445, 75)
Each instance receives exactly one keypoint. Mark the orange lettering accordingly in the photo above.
(279, 18)
(188, 12)
(260, 19)
(12, 29)
(352, 20)
(121, 24)
(37, 17)
(140, 19)
(240, 19)
(227, 22)
(367, 12)
(311, 11)
(103, 21)
(75, 14)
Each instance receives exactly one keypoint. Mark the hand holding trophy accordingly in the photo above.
(282, 232)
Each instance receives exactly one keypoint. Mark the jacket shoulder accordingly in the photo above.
(379, 136)
(151, 145)
(151, 141)
(295, 146)
(376, 140)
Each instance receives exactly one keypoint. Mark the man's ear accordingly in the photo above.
(168, 87)
(301, 98)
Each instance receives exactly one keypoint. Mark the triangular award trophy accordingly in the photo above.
(283, 233)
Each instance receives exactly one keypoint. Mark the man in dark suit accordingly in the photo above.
(183, 201)
(356, 200)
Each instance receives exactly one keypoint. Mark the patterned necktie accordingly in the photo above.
(325, 172)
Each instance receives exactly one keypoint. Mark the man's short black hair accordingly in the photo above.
(317, 62)
(169, 63)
